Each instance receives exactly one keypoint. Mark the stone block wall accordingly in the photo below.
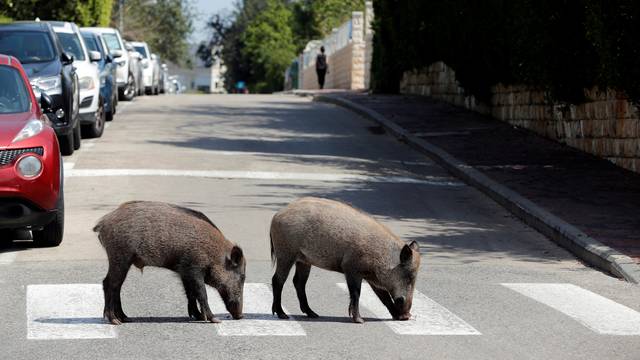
(606, 124)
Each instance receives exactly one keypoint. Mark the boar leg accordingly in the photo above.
(194, 284)
(385, 297)
(354, 283)
(112, 286)
(194, 313)
(277, 282)
(300, 281)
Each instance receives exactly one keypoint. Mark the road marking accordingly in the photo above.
(428, 317)
(258, 320)
(264, 175)
(68, 165)
(66, 311)
(8, 257)
(596, 312)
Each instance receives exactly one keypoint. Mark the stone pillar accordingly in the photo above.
(358, 51)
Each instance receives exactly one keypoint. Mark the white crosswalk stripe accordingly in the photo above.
(66, 311)
(74, 311)
(258, 320)
(428, 317)
(596, 312)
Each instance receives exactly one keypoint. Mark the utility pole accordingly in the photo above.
(121, 9)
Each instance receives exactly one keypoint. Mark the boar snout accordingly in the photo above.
(235, 309)
(402, 308)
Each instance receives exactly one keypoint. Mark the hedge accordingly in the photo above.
(563, 46)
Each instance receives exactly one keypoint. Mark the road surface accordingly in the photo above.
(489, 286)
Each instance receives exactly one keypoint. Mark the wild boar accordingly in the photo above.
(146, 233)
(334, 236)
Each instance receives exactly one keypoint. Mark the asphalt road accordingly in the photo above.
(489, 287)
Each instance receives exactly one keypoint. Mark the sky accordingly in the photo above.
(204, 10)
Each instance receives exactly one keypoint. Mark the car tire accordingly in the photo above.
(130, 91)
(77, 136)
(96, 129)
(156, 90)
(66, 144)
(51, 234)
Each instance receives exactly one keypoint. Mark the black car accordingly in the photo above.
(51, 70)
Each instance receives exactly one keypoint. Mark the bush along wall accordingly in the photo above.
(561, 46)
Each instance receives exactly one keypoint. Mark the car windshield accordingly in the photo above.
(112, 41)
(14, 97)
(142, 51)
(71, 44)
(27, 46)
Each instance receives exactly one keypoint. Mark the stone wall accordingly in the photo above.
(606, 124)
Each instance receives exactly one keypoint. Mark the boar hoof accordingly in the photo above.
(214, 320)
(310, 313)
(281, 315)
(357, 320)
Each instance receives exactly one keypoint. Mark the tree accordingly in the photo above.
(163, 24)
(328, 14)
(269, 43)
(81, 12)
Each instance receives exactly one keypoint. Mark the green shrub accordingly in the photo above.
(563, 46)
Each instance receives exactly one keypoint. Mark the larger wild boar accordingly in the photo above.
(334, 236)
(145, 233)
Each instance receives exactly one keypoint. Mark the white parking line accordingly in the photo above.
(428, 317)
(264, 175)
(66, 311)
(258, 320)
(596, 312)
(7, 258)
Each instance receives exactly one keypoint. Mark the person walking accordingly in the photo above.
(321, 67)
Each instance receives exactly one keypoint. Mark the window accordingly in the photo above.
(142, 51)
(27, 46)
(14, 97)
(91, 43)
(112, 41)
(71, 44)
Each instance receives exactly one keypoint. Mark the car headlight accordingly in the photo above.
(86, 83)
(51, 85)
(29, 166)
(31, 129)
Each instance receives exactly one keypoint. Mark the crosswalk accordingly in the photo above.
(73, 311)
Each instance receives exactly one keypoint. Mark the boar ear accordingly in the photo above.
(407, 252)
(235, 257)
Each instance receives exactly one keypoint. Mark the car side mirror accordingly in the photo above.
(46, 102)
(117, 53)
(66, 58)
(95, 56)
(154, 57)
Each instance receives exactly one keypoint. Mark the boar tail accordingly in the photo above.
(273, 254)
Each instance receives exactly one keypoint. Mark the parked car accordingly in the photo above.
(124, 76)
(107, 72)
(50, 68)
(92, 115)
(150, 68)
(31, 196)
(135, 63)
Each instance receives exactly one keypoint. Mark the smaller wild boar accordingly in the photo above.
(146, 233)
(334, 236)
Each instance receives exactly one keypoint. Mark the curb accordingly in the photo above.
(564, 234)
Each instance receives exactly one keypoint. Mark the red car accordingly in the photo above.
(31, 196)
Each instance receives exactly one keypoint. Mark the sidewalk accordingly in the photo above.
(594, 196)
